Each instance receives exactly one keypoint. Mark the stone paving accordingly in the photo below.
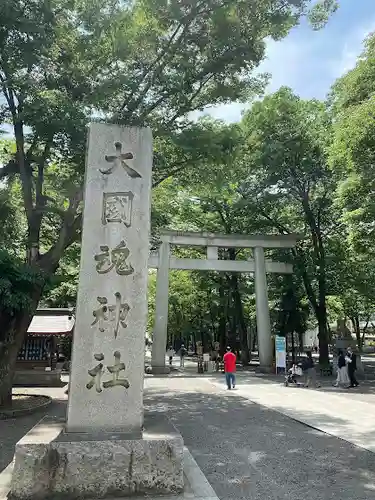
(347, 414)
(246, 450)
(12, 430)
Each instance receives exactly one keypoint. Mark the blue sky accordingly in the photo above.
(309, 61)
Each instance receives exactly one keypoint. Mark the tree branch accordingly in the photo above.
(221, 215)
(153, 106)
(278, 225)
(175, 169)
(25, 173)
(131, 107)
(69, 233)
(39, 200)
(186, 107)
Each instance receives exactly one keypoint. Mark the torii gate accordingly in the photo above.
(163, 262)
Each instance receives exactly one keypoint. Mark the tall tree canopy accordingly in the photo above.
(290, 186)
(352, 154)
(152, 62)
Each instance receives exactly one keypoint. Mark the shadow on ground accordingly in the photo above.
(12, 430)
(250, 452)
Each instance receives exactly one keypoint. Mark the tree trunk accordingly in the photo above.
(241, 323)
(293, 347)
(231, 319)
(300, 341)
(238, 316)
(222, 318)
(8, 358)
(321, 314)
(318, 303)
(250, 338)
(364, 332)
(357, 331)
(13, 333)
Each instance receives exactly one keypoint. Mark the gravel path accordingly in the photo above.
(249, 452)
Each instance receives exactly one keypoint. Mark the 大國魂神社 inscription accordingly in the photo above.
(115, 370)
(112, 291)
(116, 258)
(114, 315)
(119, 160)
(117, 207)
(97, 372)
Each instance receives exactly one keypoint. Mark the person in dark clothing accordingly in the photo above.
(309, 371)
(352, 367)
(183, 353)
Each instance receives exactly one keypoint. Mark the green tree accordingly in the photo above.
(209, 202)
(351, 157)
(356, 289)
(293, 314)
(18, 282)
(141, 62)
(352, 153)
(289, 187)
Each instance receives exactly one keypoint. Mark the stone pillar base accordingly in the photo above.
(51, 462)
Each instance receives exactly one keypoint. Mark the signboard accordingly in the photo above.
(280, 344)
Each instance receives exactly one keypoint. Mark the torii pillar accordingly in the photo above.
(161, 312)
(265, 346)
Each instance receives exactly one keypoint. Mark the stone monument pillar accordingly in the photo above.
(159, 340)
(107, 447)
(109, 338)
(262, 311)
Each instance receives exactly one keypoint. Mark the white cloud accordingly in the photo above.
(308, 61)
(352, 48)
(230, 112)
(283, 60)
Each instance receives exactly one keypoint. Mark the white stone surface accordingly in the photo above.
(204, 239)
(239, 266)
(49, 462)
(262, 310)
(161, 310)
(196, 486)
(114, 408)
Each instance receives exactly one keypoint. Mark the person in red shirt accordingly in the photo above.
(230, 368)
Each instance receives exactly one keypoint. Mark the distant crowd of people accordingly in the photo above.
(346, 367)
(229, 361)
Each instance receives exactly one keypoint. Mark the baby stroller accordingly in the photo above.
(293, 374)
